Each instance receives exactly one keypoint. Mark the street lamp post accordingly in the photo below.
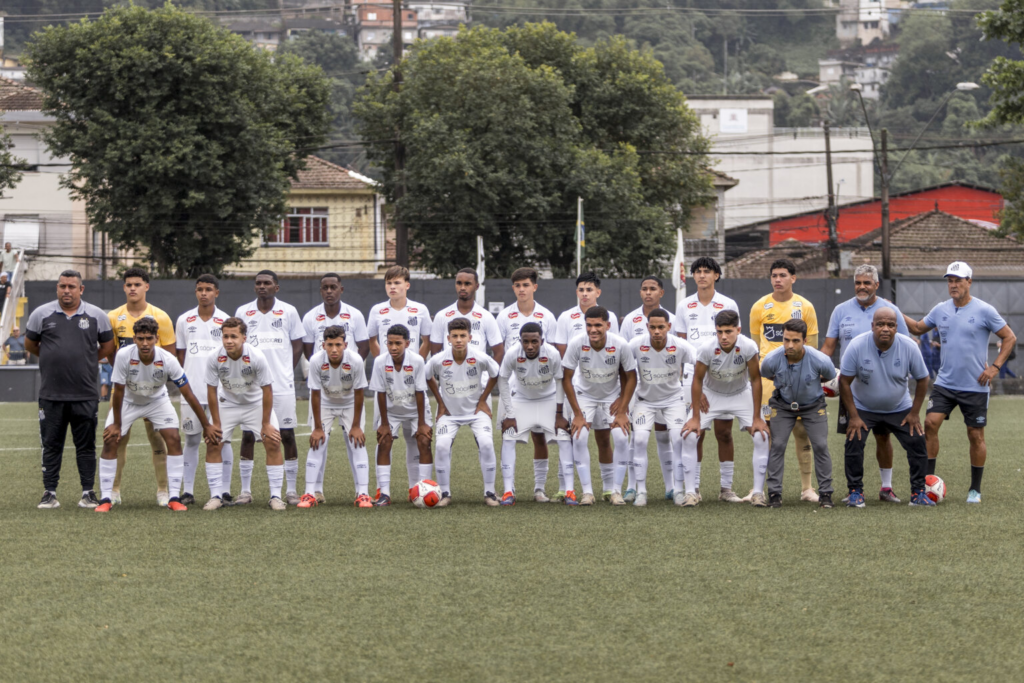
(882, 159)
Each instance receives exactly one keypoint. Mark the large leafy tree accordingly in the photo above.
(503, 130)
(181, 136)
(10, 166)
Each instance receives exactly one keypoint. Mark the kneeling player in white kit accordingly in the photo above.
(239, 391)
(399, 378)
(463, 400)
(661, 360)
(140, 379)
(336, 383)
(600, 368)
(532, 404)
(733, 391)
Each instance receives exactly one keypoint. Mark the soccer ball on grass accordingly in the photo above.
(935, 488)
(425, 494)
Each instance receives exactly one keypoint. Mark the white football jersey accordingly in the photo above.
(660, 373)
(400, 382)
(484, 332)
(535, 378)
(336, 384)
(511, 320)
(727, 372)
(272, 333)
(597, 372)
(572, 323)
(239, 382)
(461, 384)
(143, 383)
(697, 321)
(635, 324)
(414, 316)
(316, 321)
(199, 338)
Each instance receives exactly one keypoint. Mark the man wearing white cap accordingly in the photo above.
(964, 325)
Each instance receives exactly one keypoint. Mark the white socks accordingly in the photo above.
(540, 474)
(383, 473)
(360, 463)
(726, 470)
(565, 473)
(191, 454)
(175, 471)
(314, 461)
(244, 471)
(761, 448)
(412, 461)
(275, 474)
(607, 470)
(508, 464)
(698, 473)
(291, 471)
(108, 470)
(641, 438)
(581, 458)
(665, 458)
(443, 465)
(215, 475)
(489, 464)
(227, 458)
(426, 471)
(686, 471)
(886, 477)
(622, 457)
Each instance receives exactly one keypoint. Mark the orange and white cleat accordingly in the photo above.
(363, 501)
(308, 500)
(509, 499)
(104, 506)
(175, 505)
(570, 498)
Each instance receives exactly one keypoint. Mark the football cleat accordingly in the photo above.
(616, 498)
(690, 500)
(228, 498)
(641, 500)
(491, 500)
(678, 498)
(88, 500)
(243, 498)
(587, 499)
(540, 497)
(376, 496)
(104, 506)
(670, 494)
(214, 503)
(825, 500)
(855, 500)
(570, 498)
(607, 496)
(383, 500)
(174, 505)
(559, 497)
(629, 496)
(809, 495)
(888, 496)
(162, 498)
(188, 499)
(972, 496)
(362, 501)
(115, 497)
(446, 499)
(320, 497)
(747, 498)
(729, 496)
(700, 498)
(921, 499)
(307, 501)
(508, 500)
(275, 503)
(774, 500)
(292, 498)
(757, 500)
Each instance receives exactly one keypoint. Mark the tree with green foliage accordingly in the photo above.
(10, 166)
(182, 138)
(503, 130)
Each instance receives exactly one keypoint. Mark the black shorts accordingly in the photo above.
(973, 405)
(844, 417)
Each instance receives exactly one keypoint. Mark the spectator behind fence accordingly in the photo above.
(8, 261)
(15, 348)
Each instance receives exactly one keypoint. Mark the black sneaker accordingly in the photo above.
(49, 501)
(188, 499)
(774, 500)
(226, 497)
(89, 500)
(825, 500)
(383, 501)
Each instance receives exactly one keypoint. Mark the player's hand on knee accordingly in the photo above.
(759, 426)
(854, 428)
(913, 422)
(483, 407)
(424, 434)
(112, 433)
(561, 423)
(509, 424)
(384, 435)
(579, 423)
(357, 437)
(621, 421)
(212, 434)
(692, 426)
(271, 435)
(317, 438)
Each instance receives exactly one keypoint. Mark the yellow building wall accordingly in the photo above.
(350, 230)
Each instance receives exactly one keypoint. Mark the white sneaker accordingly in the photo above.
(629, 496)
(616, 498)
(757, 500)
(115, 498)
(277, 504)
(292, 498)
(679, 498)
(747, 498)
(319, 495)
(810, 495)
(641, 500)
(214, 504)
(243, 499)
(729, 496)
(541, 497)
(162, 498)
(690, 500)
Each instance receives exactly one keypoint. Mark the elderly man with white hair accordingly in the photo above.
(850, 319)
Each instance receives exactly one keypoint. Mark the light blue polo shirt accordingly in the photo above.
(850, 319)
(798, 382)
(880, 384)
(964, 333)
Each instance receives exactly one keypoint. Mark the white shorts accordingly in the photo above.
(729, 407)
(645, 416)
(597, 413)
(249, 418)
(532, 416)
(330, 414)
(190, 423)
(448, 426)
(161, 415)
(284, 408)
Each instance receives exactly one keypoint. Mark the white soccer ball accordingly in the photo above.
(935, 488)
(831, 387)
(425, 494)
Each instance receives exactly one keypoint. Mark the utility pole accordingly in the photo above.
(886, 253)
(401, 231)
(830, 214)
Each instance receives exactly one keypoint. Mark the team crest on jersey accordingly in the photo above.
(277, 324)
(471, 372)
(692, 304)
(638, 319)
(216, 334)
(797, 315)
(447, 363)
(449, 314)
(717, 305)
(412, 321)
(325, 366)
(574, 316)
(249, 314)
(408, 368)
(191, 318)
(671, 360)
(320, 318)
(83, 323)
(279, 311)
(512, 315)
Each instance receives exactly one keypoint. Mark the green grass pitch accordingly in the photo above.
(536, 592)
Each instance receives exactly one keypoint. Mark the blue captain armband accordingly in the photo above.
(180, 382)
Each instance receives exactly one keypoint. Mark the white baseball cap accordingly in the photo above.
(959, 269)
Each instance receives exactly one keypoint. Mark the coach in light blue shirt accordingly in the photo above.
(964, 324)
(873, 383)
(798, 371)
(850, 319)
